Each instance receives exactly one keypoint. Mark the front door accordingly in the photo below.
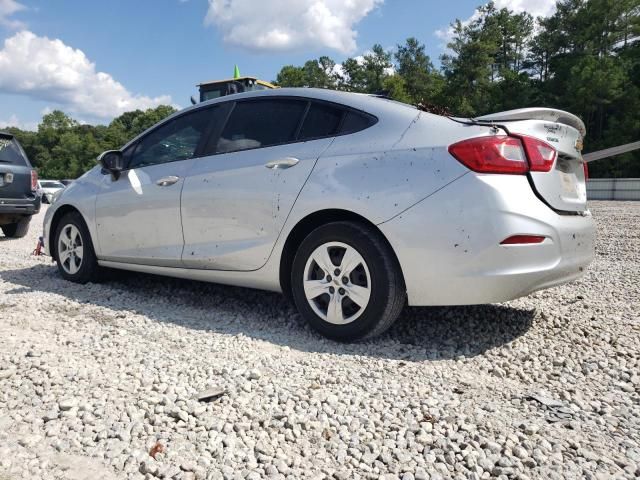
(138, 214)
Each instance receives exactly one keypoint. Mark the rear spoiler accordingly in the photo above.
(559, 116)
(546, 114)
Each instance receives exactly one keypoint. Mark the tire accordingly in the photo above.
(18, 229)
(367, 301)
(81, 265)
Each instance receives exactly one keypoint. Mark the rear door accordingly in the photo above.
(236, 200)
(564, 186)
(15, 170)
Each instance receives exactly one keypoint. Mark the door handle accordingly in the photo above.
(282, 163)
(167, 181)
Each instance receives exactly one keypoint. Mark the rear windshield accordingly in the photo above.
(11, 152)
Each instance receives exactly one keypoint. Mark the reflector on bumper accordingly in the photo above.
(523, 240)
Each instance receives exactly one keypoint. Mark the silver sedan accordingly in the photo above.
(351, 205)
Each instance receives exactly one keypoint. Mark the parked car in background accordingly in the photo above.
(351, 205)
(48, 188)
(18, 188)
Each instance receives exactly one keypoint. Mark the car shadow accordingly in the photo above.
(426, 333)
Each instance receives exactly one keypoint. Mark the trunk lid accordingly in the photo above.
(564, 186)
(15, 170)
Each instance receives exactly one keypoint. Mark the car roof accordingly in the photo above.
(375, 105)
(361, 101)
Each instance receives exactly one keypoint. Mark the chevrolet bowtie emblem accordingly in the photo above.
(579, 144)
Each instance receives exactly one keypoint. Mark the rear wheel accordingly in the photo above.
(346, 282)
(75, 255)
(18, 229)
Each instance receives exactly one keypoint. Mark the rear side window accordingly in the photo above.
(356, 121)
(321, 121)
(261, 123)
(11, 152)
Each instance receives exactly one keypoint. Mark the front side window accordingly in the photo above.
(261, 123)
(175, 140)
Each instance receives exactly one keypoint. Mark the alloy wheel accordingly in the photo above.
(337, 283)
(70, 249)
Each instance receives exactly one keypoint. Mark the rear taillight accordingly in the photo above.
(34, 180)
(504, 154)
(585, 165)
(541, 155)
(494, 154)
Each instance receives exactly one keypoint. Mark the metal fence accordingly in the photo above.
(613, 189)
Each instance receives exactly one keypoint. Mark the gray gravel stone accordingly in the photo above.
(93, 376)
(67, 404)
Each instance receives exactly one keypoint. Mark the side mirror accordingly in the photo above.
(113, 162)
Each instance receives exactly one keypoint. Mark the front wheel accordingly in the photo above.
(346, 281)
(75, 255)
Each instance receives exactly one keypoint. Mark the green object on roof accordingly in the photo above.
(236, 72)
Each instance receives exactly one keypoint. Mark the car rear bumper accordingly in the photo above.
(19, 206)
(449, 248)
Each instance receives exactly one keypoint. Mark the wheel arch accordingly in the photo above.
(57, 216)
(309, 223)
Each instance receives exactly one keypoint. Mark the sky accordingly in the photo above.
(97, 59)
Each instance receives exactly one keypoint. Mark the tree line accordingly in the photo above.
(63, 148)
(584, 59)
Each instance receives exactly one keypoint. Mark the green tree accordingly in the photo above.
(131, 124)
(585, 58)
(375, 66)
(63, 148)
(422, 82)
(291, 76)
(397, 88)
(319, 73)
(354, 78)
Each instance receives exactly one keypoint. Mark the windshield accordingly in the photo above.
(211, 94)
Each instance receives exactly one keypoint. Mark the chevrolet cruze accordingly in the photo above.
(352, 205)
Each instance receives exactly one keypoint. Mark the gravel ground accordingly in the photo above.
(92, 377)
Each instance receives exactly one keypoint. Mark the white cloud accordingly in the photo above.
(537, 8)
(8, 8)
(14, 121)
(289, 24)
(49, 70)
